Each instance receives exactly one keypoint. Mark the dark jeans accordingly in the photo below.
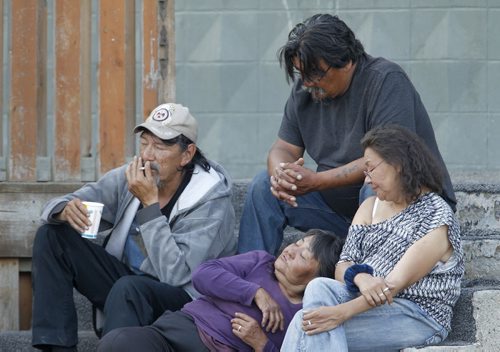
(264, 217)
(172, 332)
(139, 301)
(62, 259)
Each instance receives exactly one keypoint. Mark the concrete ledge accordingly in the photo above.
(482, 258)
(21, 204)
(479, 210)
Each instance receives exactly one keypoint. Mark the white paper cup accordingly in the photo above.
(95, 212)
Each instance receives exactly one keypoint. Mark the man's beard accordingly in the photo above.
(317, 94)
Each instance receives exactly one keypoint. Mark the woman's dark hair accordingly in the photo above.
(320, 37)
(403, 149)
(326, 247)
(198, 158)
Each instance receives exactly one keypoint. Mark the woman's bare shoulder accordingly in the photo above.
(364, 213)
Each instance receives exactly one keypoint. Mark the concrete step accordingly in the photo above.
(20, 341)
(486, 317)
(83, 311)
(475, 322)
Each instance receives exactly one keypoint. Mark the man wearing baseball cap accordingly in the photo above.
(166, 212)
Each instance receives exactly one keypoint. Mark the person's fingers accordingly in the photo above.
(242, 318)
(275, 193)
(369, 299)
(236, 322)
(286, 184)
(82, 213)
(299, 161)
(308, 315)
(237, 328)
(75, 226)
(293, 174)
(274, 183)
(76, 221)
(265, 318)
(283, 196)
(290, 200)
(382, 297)
(76, 218)
(378, 296)
(276, 322)
(307, 325)
(285, 175)
(315, 330)
(388, 294)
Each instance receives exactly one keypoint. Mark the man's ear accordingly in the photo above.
(188, 154)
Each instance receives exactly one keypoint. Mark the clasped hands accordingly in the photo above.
(290, 180)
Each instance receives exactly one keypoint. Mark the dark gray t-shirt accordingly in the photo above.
(330, 131)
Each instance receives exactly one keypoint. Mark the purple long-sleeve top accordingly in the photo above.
(228, 285)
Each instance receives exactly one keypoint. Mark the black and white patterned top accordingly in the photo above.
(382, 245)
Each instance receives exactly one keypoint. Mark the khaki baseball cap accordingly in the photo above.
(167, 121)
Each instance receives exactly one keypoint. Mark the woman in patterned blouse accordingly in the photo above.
(399, 273)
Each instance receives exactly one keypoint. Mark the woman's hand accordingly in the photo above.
(324, 319)
(247, 329)
(272, 316)
(374, 289)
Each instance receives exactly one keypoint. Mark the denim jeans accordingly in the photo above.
(384, 328)
(264, 217)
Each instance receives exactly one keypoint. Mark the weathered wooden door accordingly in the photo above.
(76, 77)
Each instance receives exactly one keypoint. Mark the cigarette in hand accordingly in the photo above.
(153, 166)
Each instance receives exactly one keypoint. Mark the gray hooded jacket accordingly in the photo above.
(200, 227)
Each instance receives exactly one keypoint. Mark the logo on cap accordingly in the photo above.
(163, 114)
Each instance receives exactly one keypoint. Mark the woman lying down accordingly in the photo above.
(247, 301)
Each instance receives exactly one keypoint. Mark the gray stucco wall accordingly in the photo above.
(229, 76)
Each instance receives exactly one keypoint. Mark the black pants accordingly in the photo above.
(172, 332)
(62, 259)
